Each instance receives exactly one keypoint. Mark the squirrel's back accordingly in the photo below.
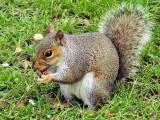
(129, 28)
(90, 51)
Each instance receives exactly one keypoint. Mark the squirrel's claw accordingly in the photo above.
(44, 79)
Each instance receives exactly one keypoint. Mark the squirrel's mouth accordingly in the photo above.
(45, 69)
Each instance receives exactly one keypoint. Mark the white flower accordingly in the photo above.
(38, 36)
(18, 49)
(48, 116)
(5, 65)
(31, 101)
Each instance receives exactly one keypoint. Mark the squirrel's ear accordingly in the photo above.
(60, 38)
(50, 29)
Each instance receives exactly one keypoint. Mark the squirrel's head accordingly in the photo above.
(48, 51)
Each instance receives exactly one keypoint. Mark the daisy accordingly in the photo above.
(48, 116)
(38, 36)
(18, 49)
(5, 65)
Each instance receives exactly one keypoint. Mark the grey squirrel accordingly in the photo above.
(87, 65)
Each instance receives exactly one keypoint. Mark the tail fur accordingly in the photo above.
(129, 28)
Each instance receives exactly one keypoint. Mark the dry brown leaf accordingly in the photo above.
(91, 113)
(63, 105)
(110, 115)
(26, 64)
(21, 104)
(38, 111)
(4, 103)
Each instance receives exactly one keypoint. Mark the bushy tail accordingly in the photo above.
(129, 28)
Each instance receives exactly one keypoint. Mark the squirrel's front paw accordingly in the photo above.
(44, 79)
(37, 75)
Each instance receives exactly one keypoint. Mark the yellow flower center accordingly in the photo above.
(38, 37)
(18, 49)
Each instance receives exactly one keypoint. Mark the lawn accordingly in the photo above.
(137, 98)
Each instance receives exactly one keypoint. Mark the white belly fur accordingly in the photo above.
(80, 89)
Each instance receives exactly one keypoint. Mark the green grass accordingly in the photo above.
(137, 98)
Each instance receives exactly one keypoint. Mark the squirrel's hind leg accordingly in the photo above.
(90, 89)
(65, 89)
(95, 90)
(101, 91)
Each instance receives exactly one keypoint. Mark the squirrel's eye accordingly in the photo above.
(48, 54)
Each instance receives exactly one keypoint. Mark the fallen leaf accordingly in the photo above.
(91, 113)
(110, 115)
(38, 111)
(26, 64)
(63, 105)
(4, 103)
(21, 104)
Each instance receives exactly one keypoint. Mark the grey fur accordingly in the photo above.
(123, 31)
(129, 28)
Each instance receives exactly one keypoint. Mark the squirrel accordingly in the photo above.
(87, 65)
